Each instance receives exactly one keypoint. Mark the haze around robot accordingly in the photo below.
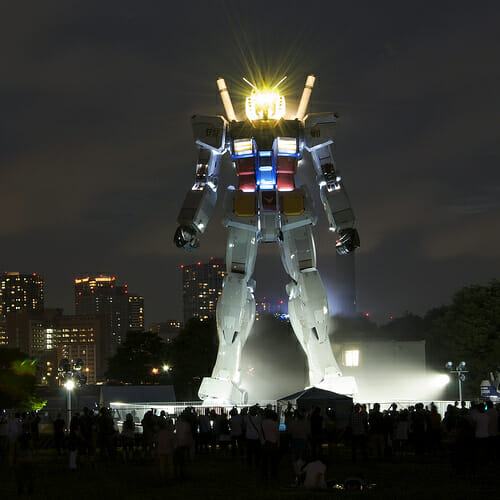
(268, 207)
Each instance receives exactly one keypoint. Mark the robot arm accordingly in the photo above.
(210, 137)
(319, 130)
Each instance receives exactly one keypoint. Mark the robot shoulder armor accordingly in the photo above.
(319, 128)
(209, 131)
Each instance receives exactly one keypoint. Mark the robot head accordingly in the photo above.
(265, 104)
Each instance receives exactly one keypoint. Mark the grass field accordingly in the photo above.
(220, 476)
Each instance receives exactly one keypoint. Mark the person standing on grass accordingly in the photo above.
(331, 432)
(270, 440)
(376, 430)
(401, 433)
(434, 419)
(166, 447)
(252, 435)
(236, 425)
(204, 436)
(184, 438)
(24, 452)
(493, 417)
(4, 435)
(59, 427)
(14, 429)
(359, 425)
(222, 432)
(316, 425)
(300, 430)
(128, 438)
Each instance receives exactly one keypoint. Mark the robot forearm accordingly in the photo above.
(194, 216)
(197, 208)
(337, 207)
(340, 216)
(209, 134)
(320, 129)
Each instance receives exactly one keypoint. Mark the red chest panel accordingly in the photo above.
(245, 168)
(286, 167)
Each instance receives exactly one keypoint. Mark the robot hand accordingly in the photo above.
(185, 237)
(348, 241)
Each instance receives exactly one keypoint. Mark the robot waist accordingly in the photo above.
(252, 204)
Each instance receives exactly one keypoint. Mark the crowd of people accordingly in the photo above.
(260, 438)
(469, 436)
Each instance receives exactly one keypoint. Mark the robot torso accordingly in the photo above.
(265, 154)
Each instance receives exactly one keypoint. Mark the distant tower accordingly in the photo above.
(201, 287)
(135, 312)
(101, 295)
(345, 273)
(20, 292)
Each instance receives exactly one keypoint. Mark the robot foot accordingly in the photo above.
(221, 392)
(339, 384)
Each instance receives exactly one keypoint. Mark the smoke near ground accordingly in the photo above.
(273, 363)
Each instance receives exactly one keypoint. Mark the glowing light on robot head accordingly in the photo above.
(265, 104)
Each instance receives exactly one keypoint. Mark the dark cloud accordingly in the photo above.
(96, 151)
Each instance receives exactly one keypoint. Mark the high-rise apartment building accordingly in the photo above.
(49, 337)
(135, 312)
(4, 340)
(84, 337)
(201, 288)
(20, 292)
(101, 295)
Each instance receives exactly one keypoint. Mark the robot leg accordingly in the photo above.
(235, 317)
(308, 311)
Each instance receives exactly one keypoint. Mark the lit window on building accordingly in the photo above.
(351, 357)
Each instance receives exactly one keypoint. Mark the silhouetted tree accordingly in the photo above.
(467, 330)
(192, 356)
(17, 380)
(135, 359)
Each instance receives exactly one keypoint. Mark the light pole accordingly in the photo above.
(71, 377)
(461, 371)
(70, 385)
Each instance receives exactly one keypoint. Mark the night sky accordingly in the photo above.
(96, 151)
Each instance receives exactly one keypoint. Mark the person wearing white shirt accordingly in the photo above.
(314, 475)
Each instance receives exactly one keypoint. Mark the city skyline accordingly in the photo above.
(96, 152)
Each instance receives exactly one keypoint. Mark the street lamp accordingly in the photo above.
(69, 385)
(71, 378)
(461, 371)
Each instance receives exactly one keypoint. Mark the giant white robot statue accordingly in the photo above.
(268, 207)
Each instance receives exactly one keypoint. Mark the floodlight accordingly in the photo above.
(449, 365)
(440, 380)
(70, 384)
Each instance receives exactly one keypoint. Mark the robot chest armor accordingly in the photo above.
(265, 154)
(266, 171)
